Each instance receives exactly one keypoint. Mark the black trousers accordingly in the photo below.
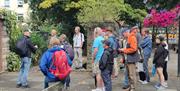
(165, 71)
(142, 76)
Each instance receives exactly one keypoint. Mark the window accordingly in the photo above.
(20, 3)
(20, 17)
(6, 3)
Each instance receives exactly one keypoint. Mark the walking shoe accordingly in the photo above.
(26, 86)
(144, 82)
(18, 85)
(161, 88)
(140, 81)
(125, 87)
(165, 84)
(157, 85)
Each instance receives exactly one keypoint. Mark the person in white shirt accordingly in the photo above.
(78, 40)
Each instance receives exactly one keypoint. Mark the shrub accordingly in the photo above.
(38, 40)
(13, 62)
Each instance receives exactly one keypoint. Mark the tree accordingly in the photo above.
(106, 10)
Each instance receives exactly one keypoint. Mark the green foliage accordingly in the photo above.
(162, 4)
(11, 25)
(106, 10)
(13, 62)
(47, 3)
(97, 10)
(42, 44)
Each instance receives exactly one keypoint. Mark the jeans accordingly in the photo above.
(145, 66)
(78, 57)
(24, 70)
(126, 81)
(106, 76)
(47, 80)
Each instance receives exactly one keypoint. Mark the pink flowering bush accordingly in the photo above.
(162, 18)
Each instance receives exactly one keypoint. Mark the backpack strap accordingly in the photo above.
(53, 59)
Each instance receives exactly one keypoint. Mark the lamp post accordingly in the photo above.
(179, 50)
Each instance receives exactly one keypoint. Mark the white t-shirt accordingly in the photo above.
(166, 47)
(78, 39)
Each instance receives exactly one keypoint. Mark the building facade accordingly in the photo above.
(18, 6)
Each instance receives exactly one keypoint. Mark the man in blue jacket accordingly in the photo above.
(146, 45)
(46, 61)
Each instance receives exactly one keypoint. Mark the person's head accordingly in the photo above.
(27, 33)
(54, 41)
(53, 32)
(109, 30)
(77, 29)
(134, 29)
(144, 32)
(106, 44)
(125, 32)
(98, 31)
(62, 37)
(160, 40)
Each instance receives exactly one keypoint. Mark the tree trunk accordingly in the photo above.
(179, 51)
(167, 35)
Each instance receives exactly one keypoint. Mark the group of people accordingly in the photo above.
(135, 49)
(48, 64)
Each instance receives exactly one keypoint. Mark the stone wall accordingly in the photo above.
(4, 47)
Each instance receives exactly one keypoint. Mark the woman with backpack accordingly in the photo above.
(159, 60)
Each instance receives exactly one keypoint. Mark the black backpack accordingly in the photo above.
(21, 47)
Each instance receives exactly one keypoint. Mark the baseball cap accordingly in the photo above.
(111, 29)
(27, 30)
(161, 38)
(124, 30)
(135, 27)
(106, 42)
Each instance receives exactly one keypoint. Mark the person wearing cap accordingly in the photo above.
(97, 52)
(106, 65)
(132, 56)
(159, 60)
(25, 60)
(123, 60)
(114, 45)
(146, 45)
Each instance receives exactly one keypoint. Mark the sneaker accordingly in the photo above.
(161, 88)
(141, 81)
(144, 82)
(157, 85)
(125, 87)
(26, 86)
(165, 84)
(97, 89)
(18, 85)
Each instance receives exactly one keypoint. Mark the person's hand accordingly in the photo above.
(36, 46)
(121, 60)
(121, 50)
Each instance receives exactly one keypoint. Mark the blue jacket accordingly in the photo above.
(146, 45)
(46, 61)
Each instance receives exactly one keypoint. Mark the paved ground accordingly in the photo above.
(83, 81)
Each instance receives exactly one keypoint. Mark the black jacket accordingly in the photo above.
(30, 47)
(160, 54)
(106, 61)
